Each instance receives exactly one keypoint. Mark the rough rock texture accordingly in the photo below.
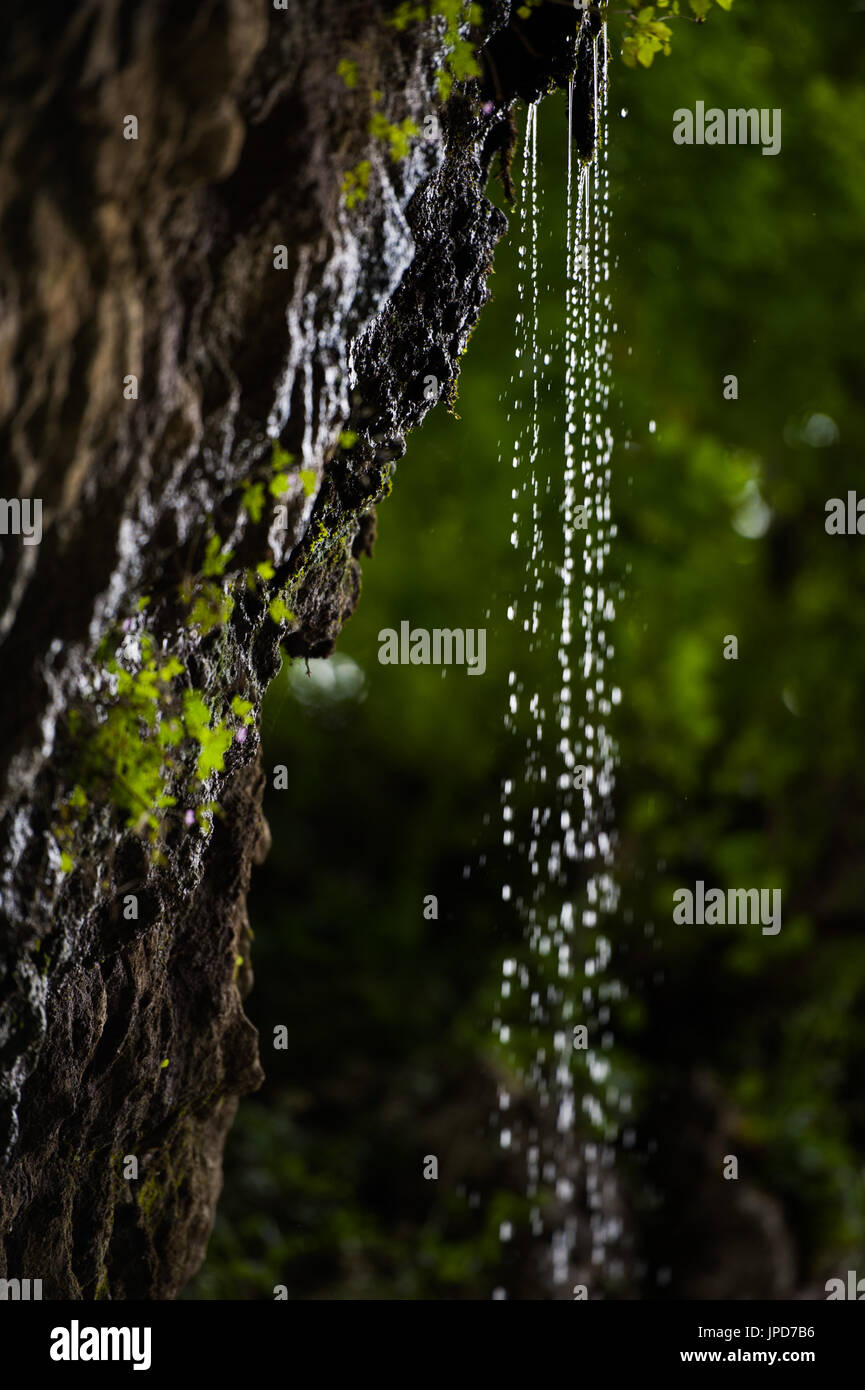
(156, 258)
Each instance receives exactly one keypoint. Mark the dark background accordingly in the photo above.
(742, 773)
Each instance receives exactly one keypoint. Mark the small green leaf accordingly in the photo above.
(242, 709)
(67, 863)
(279, 610)
(347, 439)
(347, 70)
(172, 668)
(265, 570)
(215, 743)
(252, 500)
(215, 559)
(280, 484)
(463, 62)
(355, 183)
(280, 458)
(406, 14)
(210, 610)
(444, 83)
(196, 715)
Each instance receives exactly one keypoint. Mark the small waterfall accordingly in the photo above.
(557, 815)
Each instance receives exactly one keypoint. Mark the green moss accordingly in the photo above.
(148, 1196)
(103, 1287)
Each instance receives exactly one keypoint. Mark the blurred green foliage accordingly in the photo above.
(742, 773)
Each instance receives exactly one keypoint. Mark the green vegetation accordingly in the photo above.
(646, 35)
(355, 183)
(348, 72)
(209, 606)
(280, 460)
(460, 64)
(252, 500)
(279, 610)
(134, 743)
(243, 709)
(397, 136)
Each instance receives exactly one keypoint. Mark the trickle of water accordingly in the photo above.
(557, 816)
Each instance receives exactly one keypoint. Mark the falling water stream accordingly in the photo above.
(558, 989)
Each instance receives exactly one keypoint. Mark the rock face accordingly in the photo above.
(217, 232)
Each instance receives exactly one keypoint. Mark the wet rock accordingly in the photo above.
(175, 292)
